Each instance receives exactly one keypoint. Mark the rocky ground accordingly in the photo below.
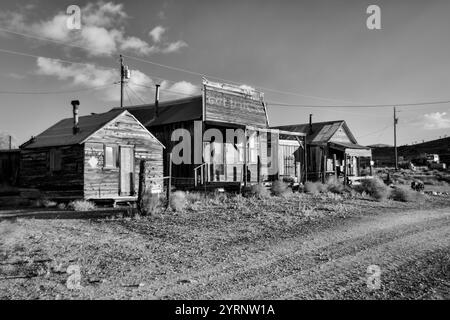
(295, 247)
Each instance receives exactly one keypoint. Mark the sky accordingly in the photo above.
(311, 53)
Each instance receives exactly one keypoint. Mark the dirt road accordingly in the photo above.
(411, 249)
(190, 257)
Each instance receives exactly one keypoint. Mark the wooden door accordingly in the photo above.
(126, 171)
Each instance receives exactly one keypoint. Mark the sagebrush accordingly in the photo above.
(178, 201)
(375, 188)
(279, 188)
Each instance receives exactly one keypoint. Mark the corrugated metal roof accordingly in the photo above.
(169, 111)
(350, 145)
(61, 134)
(322, 131)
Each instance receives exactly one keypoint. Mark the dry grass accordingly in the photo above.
(258, 191)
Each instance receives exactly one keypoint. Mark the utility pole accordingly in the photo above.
(121, 81)
(395, 138)
(10, 142)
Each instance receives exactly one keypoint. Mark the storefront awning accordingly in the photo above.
(352, 149)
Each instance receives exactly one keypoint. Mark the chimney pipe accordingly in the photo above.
(157, 101)
(310, 124)
(75, 104)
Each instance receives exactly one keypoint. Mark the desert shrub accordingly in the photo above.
(315, 187)
(402, 194)
(374, 187)
(334, 185)
(279, 188)
(178, 201)
(258, 191)
(61, 206)
(194, 197)
(81, 205)
(149, 204)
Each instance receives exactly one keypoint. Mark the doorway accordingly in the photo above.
(126, 171)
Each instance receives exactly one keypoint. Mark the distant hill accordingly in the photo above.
(385, 155)
(379, 145)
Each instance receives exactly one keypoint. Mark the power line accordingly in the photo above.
(171, 67)
(229, 81)
(128, 96)
(135, 94)
(361, 106)
(167, 90)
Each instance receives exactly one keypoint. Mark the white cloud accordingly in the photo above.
(436, 120)
(102, 31)
(156, 33)
(183, 87)
(174, 46)
(89, 75)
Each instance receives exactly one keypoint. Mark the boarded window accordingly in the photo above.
(111, 158)
(55, 160)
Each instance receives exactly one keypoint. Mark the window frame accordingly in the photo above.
(115, 156)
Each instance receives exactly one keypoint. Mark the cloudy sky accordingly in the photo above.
(301, 52)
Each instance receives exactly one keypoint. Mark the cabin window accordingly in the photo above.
(55, 160)
(111, 157)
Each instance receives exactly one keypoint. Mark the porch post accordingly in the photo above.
(345, 169)
(335, 166)
(245, 158)
(306, 160)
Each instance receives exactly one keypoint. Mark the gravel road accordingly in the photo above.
(412, 250)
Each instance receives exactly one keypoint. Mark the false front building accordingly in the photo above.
(332, 149)
(220, 138)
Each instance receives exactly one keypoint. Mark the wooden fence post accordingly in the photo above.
(142, 187)
(169, 184)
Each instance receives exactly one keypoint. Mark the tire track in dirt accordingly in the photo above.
(283, 259)
(348, 272)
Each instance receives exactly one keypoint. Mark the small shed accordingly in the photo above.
(332, 149)
(92, 157)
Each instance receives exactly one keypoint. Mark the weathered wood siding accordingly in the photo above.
(229, 107)
(65, 183)
(182, 174)
(101, 182)
(9, 167)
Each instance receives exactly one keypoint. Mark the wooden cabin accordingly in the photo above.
(331, 149)
(220, 138)
(9, 167)
(92, 157)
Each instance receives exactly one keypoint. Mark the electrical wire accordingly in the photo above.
(354, 105)
(135, 93)
(129, 99)
(171, 67)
